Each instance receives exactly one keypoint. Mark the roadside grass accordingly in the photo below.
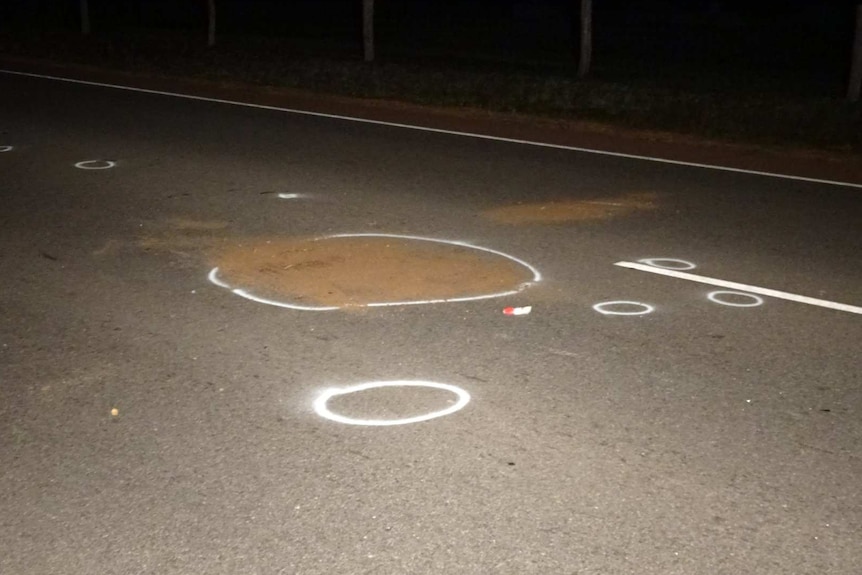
(618, 93)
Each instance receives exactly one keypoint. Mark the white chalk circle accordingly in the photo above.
(96, 165)
(6, 148)
(668, 263)
(720, 295)
(607, 308)
(321, 408)
(214, 277)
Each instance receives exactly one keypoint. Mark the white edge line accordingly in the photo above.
(742, 287)
(438, 130)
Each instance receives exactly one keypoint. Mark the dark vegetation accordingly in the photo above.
(761, 72)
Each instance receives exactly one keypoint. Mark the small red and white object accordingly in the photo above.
(518, 310)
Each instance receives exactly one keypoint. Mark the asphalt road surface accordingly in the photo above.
(155, 421)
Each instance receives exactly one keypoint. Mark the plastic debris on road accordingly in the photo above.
(518, 310)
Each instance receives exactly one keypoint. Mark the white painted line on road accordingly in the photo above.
(322, 409)
(438, 130)
(741, 287)
(719, 296)
(6, 149)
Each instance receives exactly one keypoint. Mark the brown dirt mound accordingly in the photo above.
(355, 271)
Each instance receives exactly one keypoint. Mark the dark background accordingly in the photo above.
(665, 39)
(759, 71)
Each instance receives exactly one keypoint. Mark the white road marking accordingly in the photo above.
(741, 287)
(95, 165)
(718, 295)
(322, 409)
(6, 148)
(438, 130)
(606, 308)
(669, 263)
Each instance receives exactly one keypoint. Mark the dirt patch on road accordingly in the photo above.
(354, 271)
(183, 234)
(557, 212)
(340, 271)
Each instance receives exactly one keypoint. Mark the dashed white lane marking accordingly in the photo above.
(439, 130)
(742, 287)
(322, 409)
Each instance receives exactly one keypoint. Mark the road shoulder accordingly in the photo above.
(799, 163)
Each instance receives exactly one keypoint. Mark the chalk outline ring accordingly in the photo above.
(96, 165)
(321, 408)
(712, 296)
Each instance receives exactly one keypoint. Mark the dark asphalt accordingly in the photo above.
(697, 439)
